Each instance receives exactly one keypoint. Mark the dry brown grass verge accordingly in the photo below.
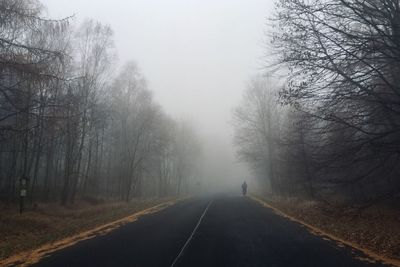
(27, 237)
(375, 231)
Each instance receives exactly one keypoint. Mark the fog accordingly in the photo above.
(196, 57)
(200, 126)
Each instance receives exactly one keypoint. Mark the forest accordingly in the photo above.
(323, 120)
(74, 123)
(200, 133)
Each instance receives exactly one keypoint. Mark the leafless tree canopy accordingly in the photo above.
(73, 125)
(338, 129)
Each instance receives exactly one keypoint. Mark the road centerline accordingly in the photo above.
(191, 235)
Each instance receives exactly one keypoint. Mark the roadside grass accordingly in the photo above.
(375, 229)
(47, 223)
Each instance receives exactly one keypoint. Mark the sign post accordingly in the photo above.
(23, 182)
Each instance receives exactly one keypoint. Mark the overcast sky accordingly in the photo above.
(196, 55)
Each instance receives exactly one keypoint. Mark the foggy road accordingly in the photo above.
(213, 231)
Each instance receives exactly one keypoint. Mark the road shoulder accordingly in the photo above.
(33, 256)
(327, 235)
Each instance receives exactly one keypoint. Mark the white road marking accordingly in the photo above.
(191, 236)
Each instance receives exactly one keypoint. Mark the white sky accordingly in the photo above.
(196, 55)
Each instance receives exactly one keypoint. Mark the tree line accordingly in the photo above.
(331, 130)
(75, 127)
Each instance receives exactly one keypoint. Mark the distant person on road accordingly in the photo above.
(244, 188)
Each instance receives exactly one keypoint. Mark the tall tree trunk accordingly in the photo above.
(49, 167)
(75, 179)
(86, 177)
(68, 161)
(38, 153)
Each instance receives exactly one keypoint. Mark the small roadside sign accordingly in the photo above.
(23, 193)
(24, 183)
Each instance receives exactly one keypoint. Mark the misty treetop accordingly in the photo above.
(72, 125)
(338, 131)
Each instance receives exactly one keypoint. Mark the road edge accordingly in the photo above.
(31, 257)
(317, 231)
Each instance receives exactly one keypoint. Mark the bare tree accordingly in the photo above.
(256, 123)
(72, 127)
(30, 63)
(343, 61)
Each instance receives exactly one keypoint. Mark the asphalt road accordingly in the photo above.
(219, 231)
